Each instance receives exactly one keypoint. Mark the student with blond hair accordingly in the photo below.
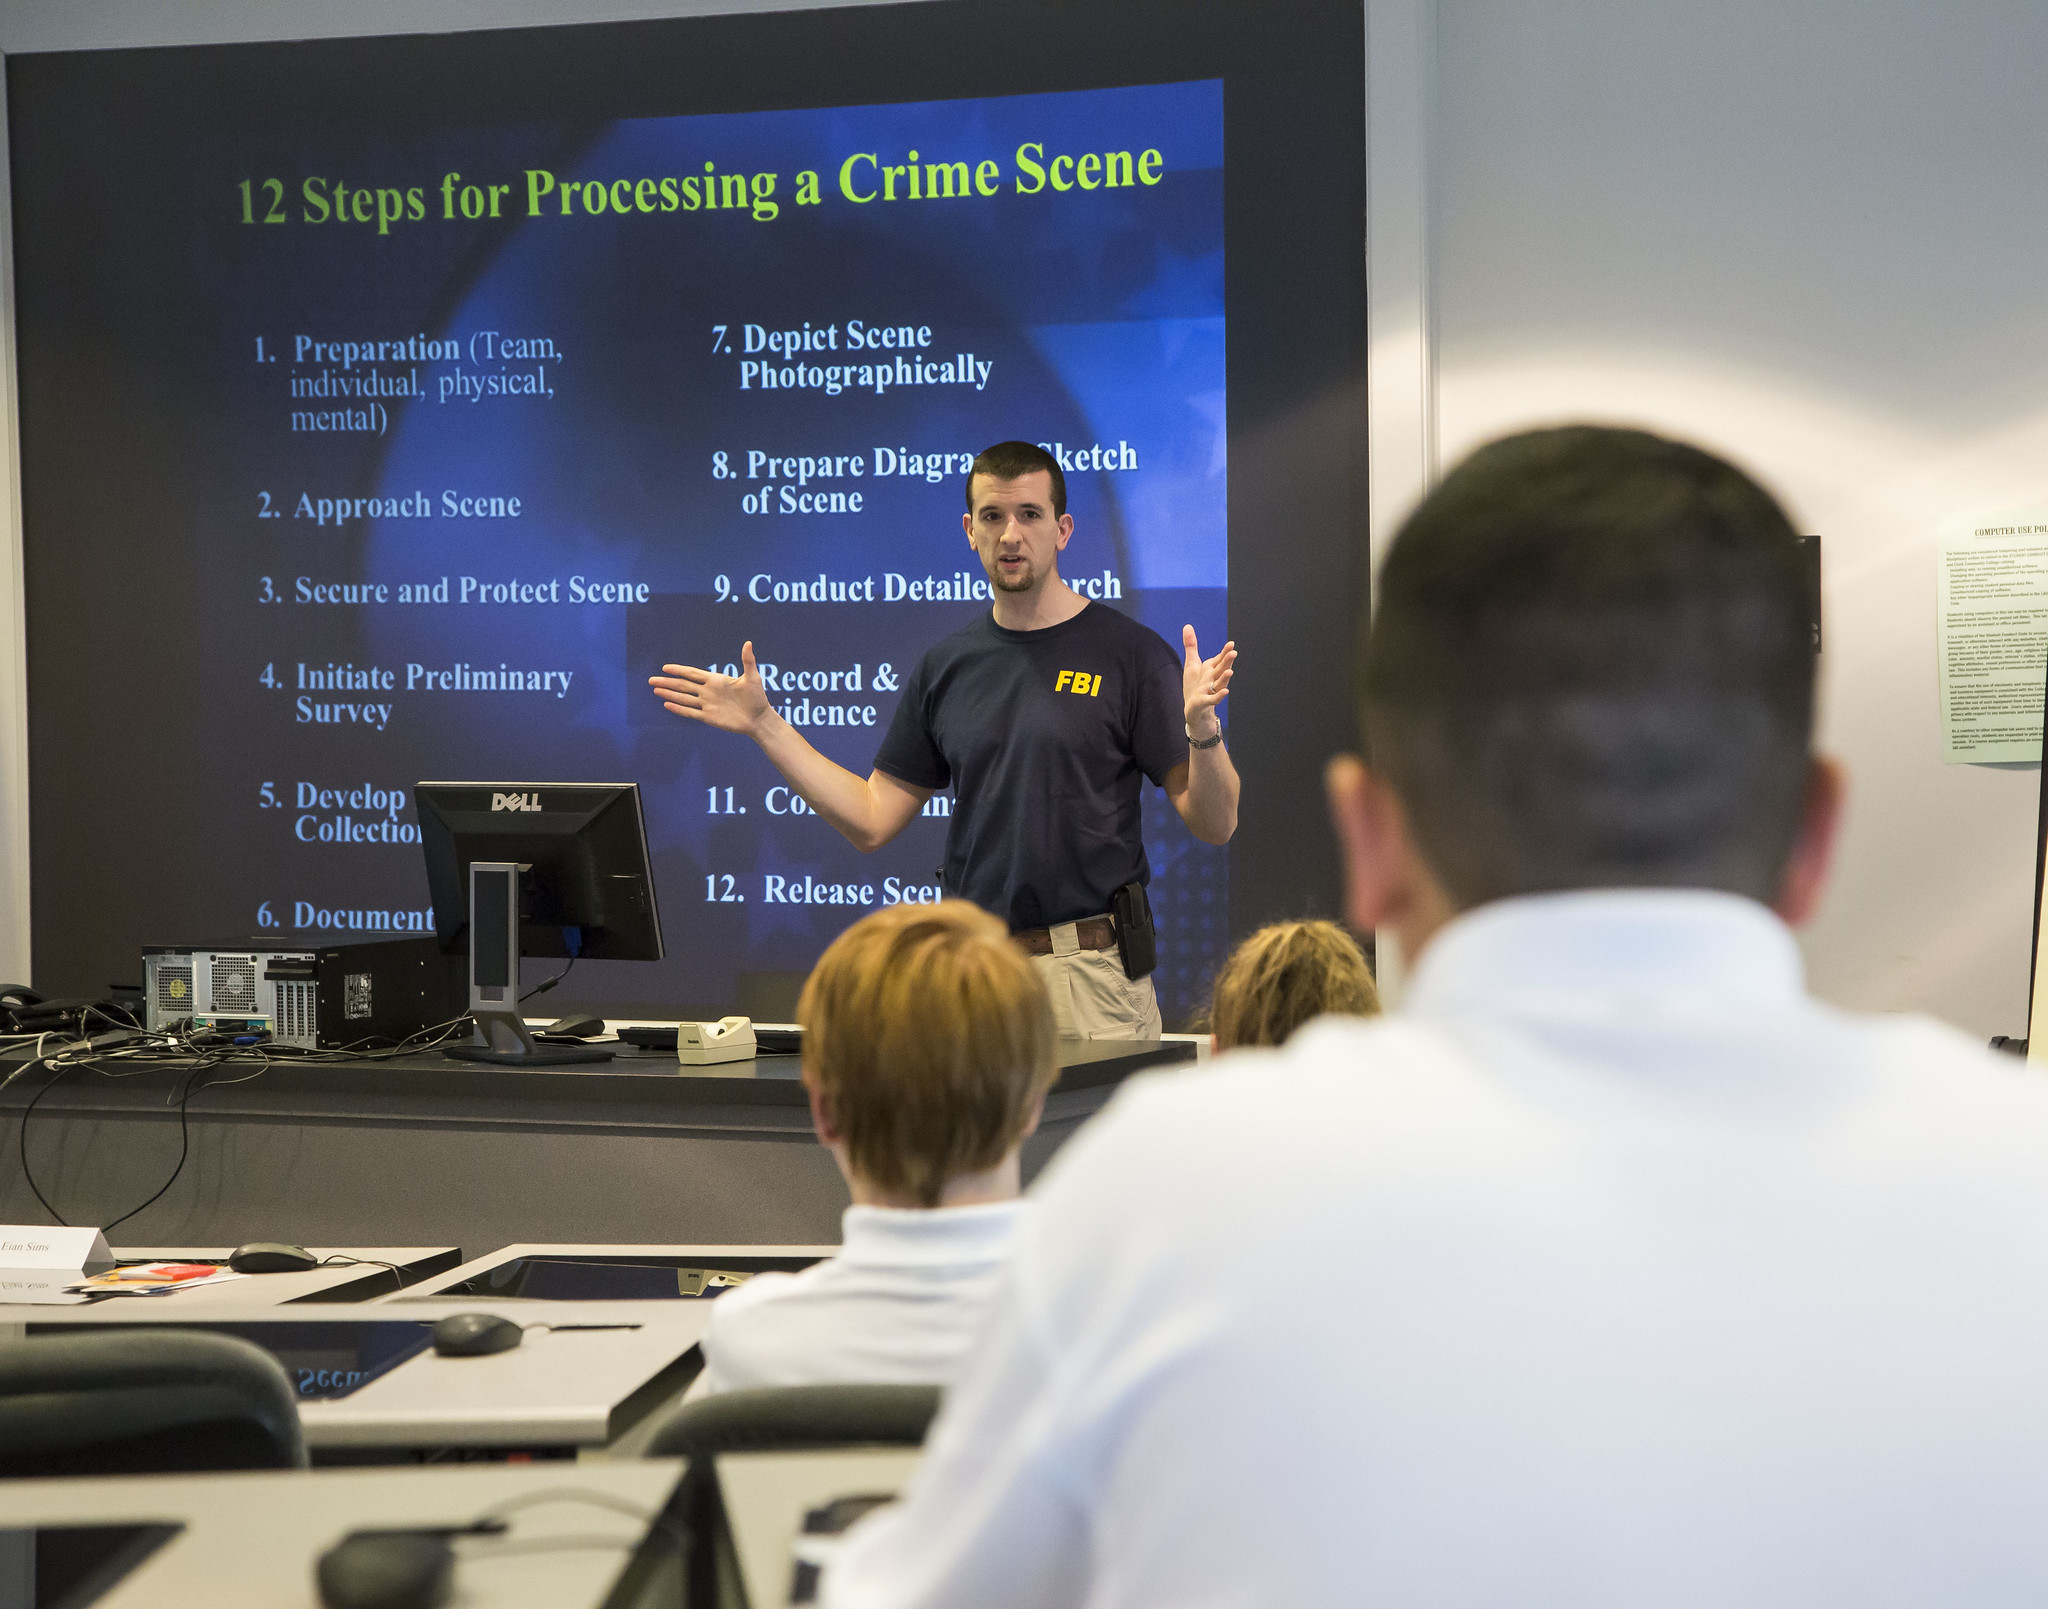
(928, 1051)
(1284, 975)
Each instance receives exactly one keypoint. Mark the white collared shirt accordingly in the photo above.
(1612, 1270)
(897, 1306)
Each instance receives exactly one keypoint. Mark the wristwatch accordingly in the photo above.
(1201, 742)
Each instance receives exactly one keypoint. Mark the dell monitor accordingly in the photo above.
(534, 869)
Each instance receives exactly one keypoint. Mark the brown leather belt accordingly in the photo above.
(1091, 933)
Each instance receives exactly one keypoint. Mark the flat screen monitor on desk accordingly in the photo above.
(639, 1277)
(326, 1359)
(535, 869)
(72, 1566)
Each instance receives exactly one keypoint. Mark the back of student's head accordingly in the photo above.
(931, 1040)
(1284, 975)
(1591, 666)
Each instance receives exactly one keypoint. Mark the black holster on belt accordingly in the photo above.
(1135, 943)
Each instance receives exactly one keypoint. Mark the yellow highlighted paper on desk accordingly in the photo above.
(155, 1279)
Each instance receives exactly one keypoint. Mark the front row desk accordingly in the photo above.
(426, 1148)
(253, 1539)
(567, 1544)
(611, 1337)
(496, 1432)
(587, 1160)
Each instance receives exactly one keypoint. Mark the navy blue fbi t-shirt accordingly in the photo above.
(1045, 737)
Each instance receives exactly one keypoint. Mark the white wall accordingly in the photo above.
(127, 24)
(14, 908)
(1810, 235)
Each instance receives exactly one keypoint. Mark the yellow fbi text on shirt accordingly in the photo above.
(1078, 681)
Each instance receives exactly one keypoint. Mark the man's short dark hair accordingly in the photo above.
(1592, 666)
(1012, 460)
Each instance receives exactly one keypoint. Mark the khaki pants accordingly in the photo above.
(1091, 997)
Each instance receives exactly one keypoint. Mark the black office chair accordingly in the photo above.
(772, 1419)
(142, 1402)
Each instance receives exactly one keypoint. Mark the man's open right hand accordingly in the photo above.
(730, 703)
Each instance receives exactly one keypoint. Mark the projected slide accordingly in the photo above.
(498, 422)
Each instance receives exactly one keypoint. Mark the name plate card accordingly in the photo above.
(81, 1250)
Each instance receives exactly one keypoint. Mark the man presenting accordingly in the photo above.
(1044, 716)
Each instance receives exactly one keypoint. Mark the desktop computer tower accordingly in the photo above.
(311, 997)
(233, 987)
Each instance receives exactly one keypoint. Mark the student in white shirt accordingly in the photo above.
(1611, 1268)
(928, 1050)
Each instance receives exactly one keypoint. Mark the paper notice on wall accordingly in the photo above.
(1991, 635)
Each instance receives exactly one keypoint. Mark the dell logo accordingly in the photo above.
(515, 801)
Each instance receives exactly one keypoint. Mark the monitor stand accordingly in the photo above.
(504, 1040)
(502, 1037)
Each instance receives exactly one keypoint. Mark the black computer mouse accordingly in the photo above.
(387, 1570)
(271, 1257)
(475, 1335)
(575, 1027)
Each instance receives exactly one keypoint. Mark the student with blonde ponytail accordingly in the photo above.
(1284, 975)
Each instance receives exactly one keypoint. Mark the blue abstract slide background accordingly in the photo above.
(391, 407)
(716, 423)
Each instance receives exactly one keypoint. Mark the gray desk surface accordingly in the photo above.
(573, 1388)
(343, 1282)
(431, 1084)
(254, 1538)
(441, 1283)
(767, 1494)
